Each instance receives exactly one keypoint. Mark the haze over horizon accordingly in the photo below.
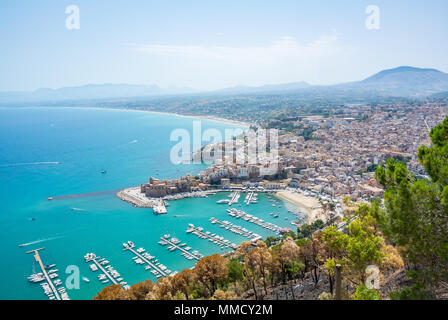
(209, 46)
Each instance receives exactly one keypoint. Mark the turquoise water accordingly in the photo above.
(131, 146)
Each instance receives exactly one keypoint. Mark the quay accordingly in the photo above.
(173, 242)
(159, 270)
(239, 214)
(237, 229)
(45, 274)
(220, 241)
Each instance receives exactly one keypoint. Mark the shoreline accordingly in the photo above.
(246, 125)
(310, 204)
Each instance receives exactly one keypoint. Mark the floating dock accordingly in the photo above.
(110, 273)
(174, 245)
(220, 241)
(239, 214)
(235, 197)
(237, 229)
(251, 197)
(49, 287)
(159, 270)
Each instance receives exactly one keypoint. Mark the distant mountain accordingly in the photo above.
(89, 92)
(399, 82)
(404, 81)
(268, 88)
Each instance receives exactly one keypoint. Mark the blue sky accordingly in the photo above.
(207, 44)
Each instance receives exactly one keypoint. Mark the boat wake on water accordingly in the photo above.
(133, 141)
(78, 209)
(29, 164)
(38, 241)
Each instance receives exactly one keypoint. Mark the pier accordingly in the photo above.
(251, 197)
(160, 270)
(189, 255)
(237, 229)
(239, 214)
(45, 274)
(92, 257)
(220, 241)
(235, 197)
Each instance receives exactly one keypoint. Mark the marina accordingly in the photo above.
(46, 279)
(237, 229)
(109, 273)
(174, 244)
(142, 257)
(212, 237)
(239, 214)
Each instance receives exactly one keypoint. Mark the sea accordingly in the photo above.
(82, 157)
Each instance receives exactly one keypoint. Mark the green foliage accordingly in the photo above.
(362, 293)
(235, 271)
(416, 212)
(355, 250)
(306, 230)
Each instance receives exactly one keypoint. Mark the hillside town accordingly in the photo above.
(336, 160)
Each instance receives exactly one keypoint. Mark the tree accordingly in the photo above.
(162, 290)
(416, 214)
(211, 270)
(224, 295)
(259, 261)
(184, 282)
(284, 255)
(363, 293)
(235, 271)
(355, 250)
(140, 290)
(113, 292)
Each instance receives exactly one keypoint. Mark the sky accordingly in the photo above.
(208, 45)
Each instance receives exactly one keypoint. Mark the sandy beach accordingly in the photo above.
(209, 118)
(311, 204)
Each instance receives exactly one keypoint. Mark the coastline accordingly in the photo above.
(310, 204)
(246, 125)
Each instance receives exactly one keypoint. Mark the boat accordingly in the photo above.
(103, 171)
(50, 198)
(85, 279)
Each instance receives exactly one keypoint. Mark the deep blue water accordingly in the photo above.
(131, 146)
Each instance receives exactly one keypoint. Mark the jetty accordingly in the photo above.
(159, 207)
(218, 240)
(237, 229)
(235, 197)
(239, 214)
(108, 271)
(142, 257)
(175, 245)
(251, 197)
(49, 287)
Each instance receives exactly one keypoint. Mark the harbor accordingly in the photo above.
(141, 257)
(174, 244)
(109, 273)
(48, 279)
(237, 229)
(239, 214)
(212, 237)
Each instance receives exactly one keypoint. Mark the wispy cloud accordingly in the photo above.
(286, 59)
(284, 48)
